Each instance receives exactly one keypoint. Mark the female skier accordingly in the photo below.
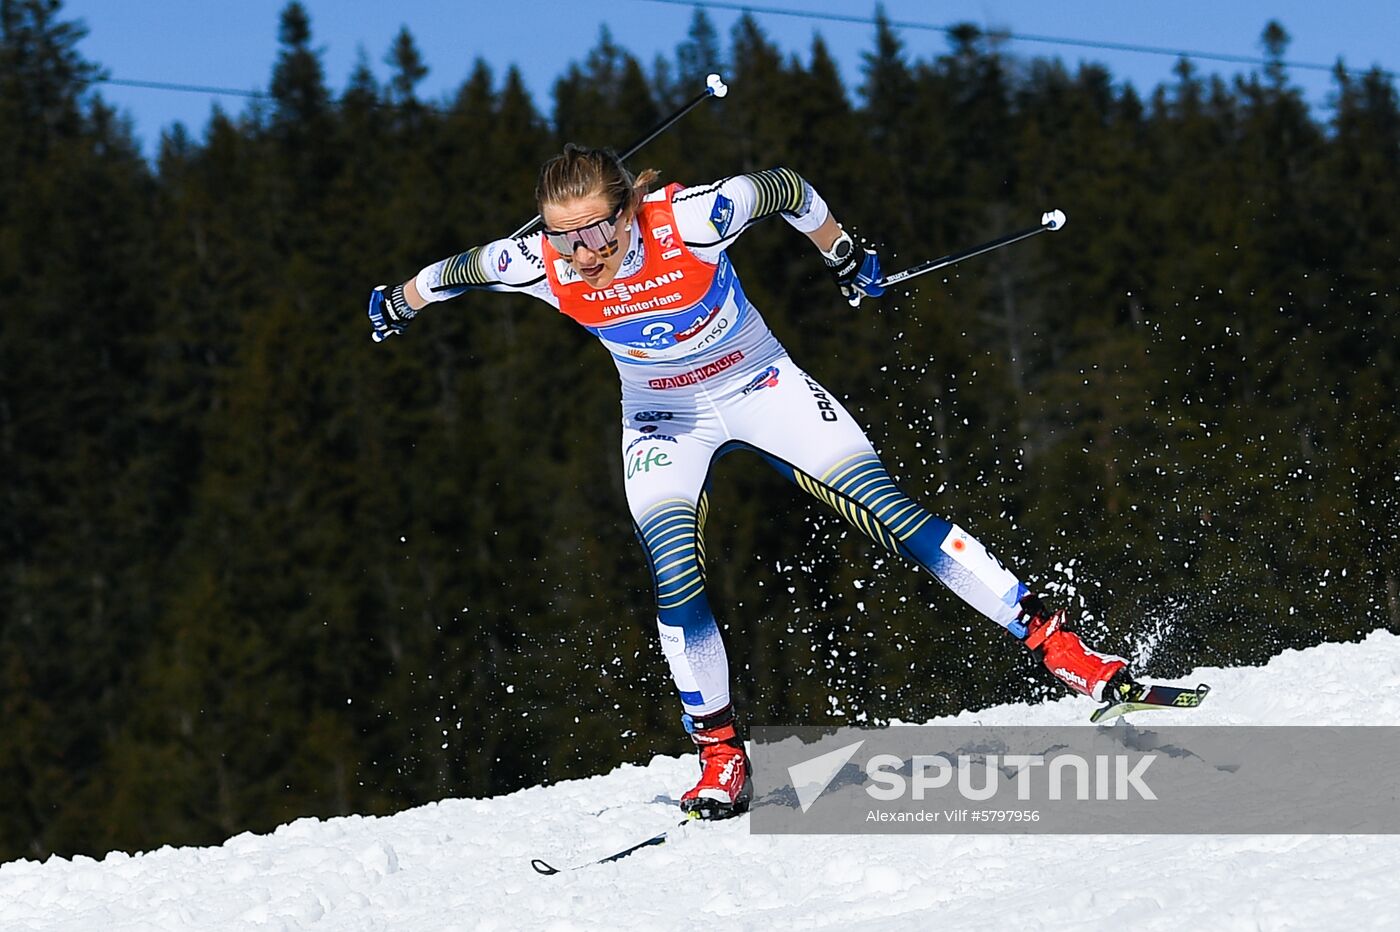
(702, 375)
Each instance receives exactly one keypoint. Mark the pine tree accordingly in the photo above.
(80, 532)
(409, 69)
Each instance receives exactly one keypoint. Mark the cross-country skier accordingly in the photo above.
(702, 375)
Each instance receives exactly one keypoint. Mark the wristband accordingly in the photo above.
(397, 304)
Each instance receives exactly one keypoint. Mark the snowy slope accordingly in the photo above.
(464, 864)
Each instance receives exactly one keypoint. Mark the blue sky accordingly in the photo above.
(234, 44)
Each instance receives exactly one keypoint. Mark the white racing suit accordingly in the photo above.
(703, 375)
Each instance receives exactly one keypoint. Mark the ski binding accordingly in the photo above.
(1143, 696)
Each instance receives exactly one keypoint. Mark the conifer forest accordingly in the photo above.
(255, 566)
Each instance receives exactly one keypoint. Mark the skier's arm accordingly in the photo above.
(712, 216)
(501, 265)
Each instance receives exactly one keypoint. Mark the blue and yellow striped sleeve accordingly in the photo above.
(501, 265)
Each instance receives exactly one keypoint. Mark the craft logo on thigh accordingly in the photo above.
(644, 460)
(824, 405)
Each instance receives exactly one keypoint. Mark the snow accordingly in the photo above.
(464, 864)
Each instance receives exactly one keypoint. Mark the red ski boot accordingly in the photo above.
(726, 785)
(1083, 670)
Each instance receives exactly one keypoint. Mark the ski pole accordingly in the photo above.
(1049, 221)
(714, 87)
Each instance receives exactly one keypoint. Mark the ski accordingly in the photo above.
(1145, 696)
(658, 839)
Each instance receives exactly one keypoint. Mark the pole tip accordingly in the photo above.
(1053, 219)
(717, 87)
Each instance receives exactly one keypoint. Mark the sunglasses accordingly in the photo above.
(600, 236)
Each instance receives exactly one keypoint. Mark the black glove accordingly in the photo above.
(389, 312)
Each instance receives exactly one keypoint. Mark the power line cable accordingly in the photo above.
(831, 17)
(192, 88)
(1015, 36)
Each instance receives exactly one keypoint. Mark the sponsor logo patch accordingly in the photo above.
(645, 460)
(503, 261)
(768, 378)
(621, 291)
(694, 376)
(566, 273)
(1072, 677)
(696, 326)
(667, 438)
(721, 214)
(653, 416)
